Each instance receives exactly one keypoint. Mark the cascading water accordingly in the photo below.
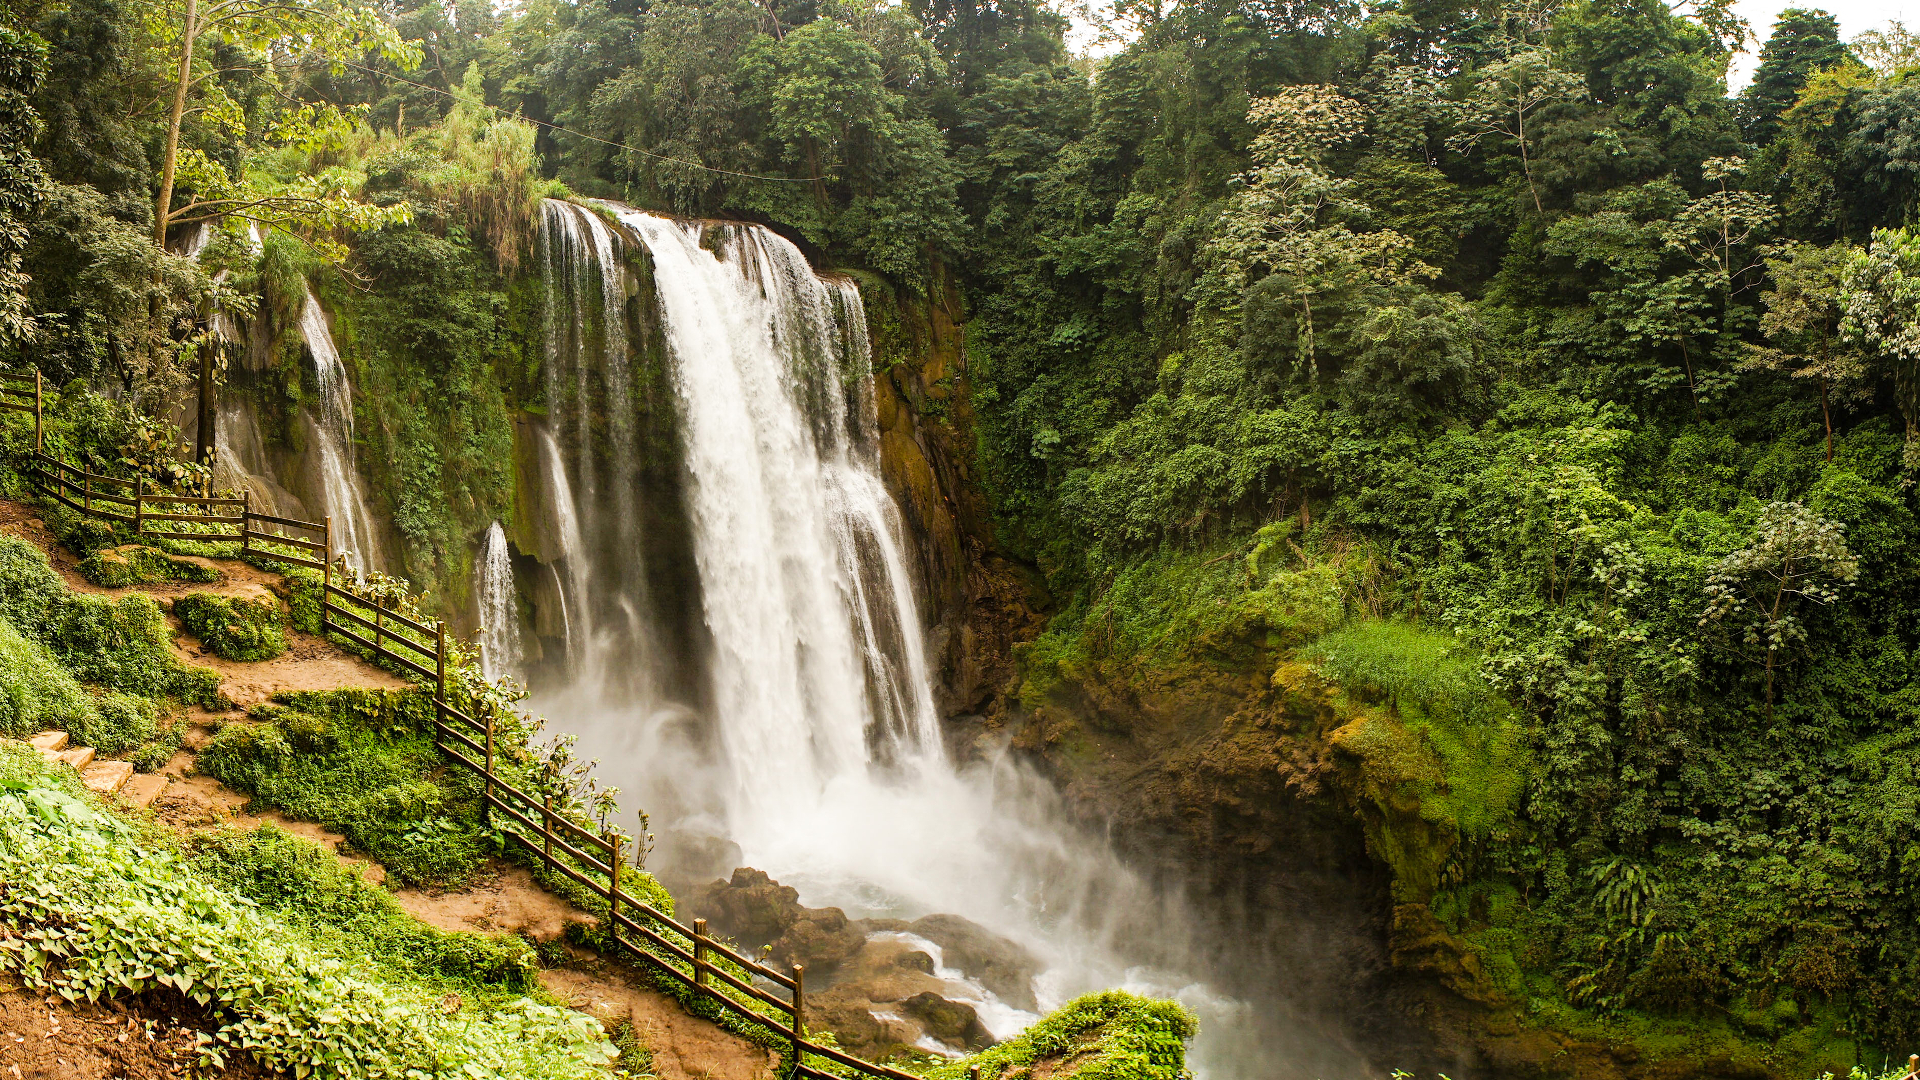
(353, 526)
(818, 750)
(499, 614)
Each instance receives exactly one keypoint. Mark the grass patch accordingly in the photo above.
(136, 564)
(119, 644)
(233, 627)
(384, 785)
(1112, 1035)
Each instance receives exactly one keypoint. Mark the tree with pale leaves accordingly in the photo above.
(1506, 101)
(1796, 557)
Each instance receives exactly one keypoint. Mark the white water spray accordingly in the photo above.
(353, 527)
(499, 611)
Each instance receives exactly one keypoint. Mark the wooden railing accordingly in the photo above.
(595, 858)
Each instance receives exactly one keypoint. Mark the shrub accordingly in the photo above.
(133, 564)
(36, 693)
(233, 627)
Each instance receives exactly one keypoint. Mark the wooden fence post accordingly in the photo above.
(799, 1011)
(326, 569)
(86, 490)
(39, 431)
(246, 511)
(379, 622)
(700, 955)
(546, 824)
(139, 497)
(486, 802)
(613, 887)
(973, 1072)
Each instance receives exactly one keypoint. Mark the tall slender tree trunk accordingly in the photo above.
(1827, 416)
(189, 31)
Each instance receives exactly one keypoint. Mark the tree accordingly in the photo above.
(22, 62)
(1507, 99)
(1804, 41)
(1795, 556)
(1881, 294)
(326, 29)
(1802, 325)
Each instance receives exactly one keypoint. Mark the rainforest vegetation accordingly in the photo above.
(1495, 360)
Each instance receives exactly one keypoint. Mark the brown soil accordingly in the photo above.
(50, 1039)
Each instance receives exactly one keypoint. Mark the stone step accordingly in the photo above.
(79, 758)
(55, 741)
(143, 788)
(107, 777)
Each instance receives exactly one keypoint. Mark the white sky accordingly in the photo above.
(1855, 17)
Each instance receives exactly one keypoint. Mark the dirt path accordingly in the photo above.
(45, 1038)
(310, 663)
(507, 900)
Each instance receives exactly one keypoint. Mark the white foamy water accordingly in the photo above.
(499, 610)
(354, 532)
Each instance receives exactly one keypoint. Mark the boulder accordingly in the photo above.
(952, 1022)
(999, 964)
(757, 911)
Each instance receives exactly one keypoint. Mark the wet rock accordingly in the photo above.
(757, 911)
(916, 961)
(999, 964)
(952, 1022)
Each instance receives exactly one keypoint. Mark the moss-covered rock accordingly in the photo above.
(135, 564)
(233, 627)
(1112, 1034)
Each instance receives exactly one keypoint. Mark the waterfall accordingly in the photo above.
(353, 525)
(816, 638)
(499, 610)
(815, 745)
(591, 447)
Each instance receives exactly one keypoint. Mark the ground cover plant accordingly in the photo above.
(109, 911)
(234, 627)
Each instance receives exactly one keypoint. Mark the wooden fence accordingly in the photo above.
(753, 991)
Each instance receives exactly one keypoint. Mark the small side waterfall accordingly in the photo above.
(354, 531)
(592, 435)
(499, 611)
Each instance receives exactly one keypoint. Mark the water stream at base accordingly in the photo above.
(818, 750)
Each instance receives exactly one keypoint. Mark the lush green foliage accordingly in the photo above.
(1112, 1035)
(93, 910)
(117, 568)
(120, 644)
(384, 786)
(234, 627)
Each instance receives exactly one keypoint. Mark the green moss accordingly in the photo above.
(234, 628)
(36, 692)
(1432, 683)
(1112, 1035)
(116, 644)
(133, 564)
